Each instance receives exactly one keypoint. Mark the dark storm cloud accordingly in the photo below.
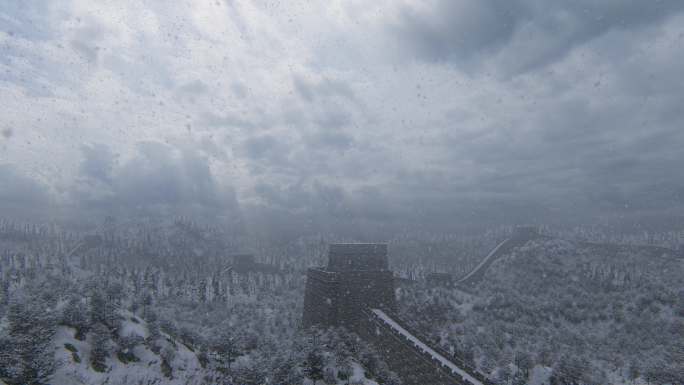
(158, 181)
(313, 91)
(317, 122)
(581, 161)
(21, 196)
(159, 177)
(98, 162)
(261, 147)
(602, 140)
(333, 118)
(317, 207)
(266, 154)
(332, 103)
(85, 40)
(415, 203)
(580, 122)
(331, 109)
(526, 33)
(331, 138)
(457, 29)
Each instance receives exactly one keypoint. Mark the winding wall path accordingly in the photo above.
(412, 357)
(476, 275)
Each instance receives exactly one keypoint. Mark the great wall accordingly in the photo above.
(519, 237)
(356, 291)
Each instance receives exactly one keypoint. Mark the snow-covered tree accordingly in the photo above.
(29, 356)
(101, 337)
(74, 314)
(225, 347)
(313, 366)
(153, 330)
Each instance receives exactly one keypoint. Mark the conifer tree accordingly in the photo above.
(226, 348)
(100, 347)
(313, 366)
(74, 315)
(31, 325)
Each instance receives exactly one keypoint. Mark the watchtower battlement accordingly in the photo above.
(357, 257)
(525, 232)
(357, 277)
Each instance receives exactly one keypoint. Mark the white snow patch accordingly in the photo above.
(185, 366)
(540, 375)
(358, 374)
(130, 328)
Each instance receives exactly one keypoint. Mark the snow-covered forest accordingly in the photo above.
(158, 306)
(565, 312)
(162, 304)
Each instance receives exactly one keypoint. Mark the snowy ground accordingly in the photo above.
(540, 375)
(358, 377)
(186, 367)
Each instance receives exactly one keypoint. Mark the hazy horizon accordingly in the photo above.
(344, 117)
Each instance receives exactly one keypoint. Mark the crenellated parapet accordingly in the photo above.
(357, 277)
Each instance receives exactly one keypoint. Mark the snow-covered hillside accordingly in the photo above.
(85, 320)
(173, 364)
(161, 361)
(564, 311)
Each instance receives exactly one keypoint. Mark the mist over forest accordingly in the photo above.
(445, 192)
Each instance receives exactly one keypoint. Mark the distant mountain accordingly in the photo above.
(592, 267)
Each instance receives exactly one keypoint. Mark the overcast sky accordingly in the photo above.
(342, 116)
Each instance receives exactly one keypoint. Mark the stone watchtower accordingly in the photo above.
(357, 277)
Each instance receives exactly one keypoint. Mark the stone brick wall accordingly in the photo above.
(413, 366)
(321, 298)
(339, 298)
(357, 277)
(356, 280)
